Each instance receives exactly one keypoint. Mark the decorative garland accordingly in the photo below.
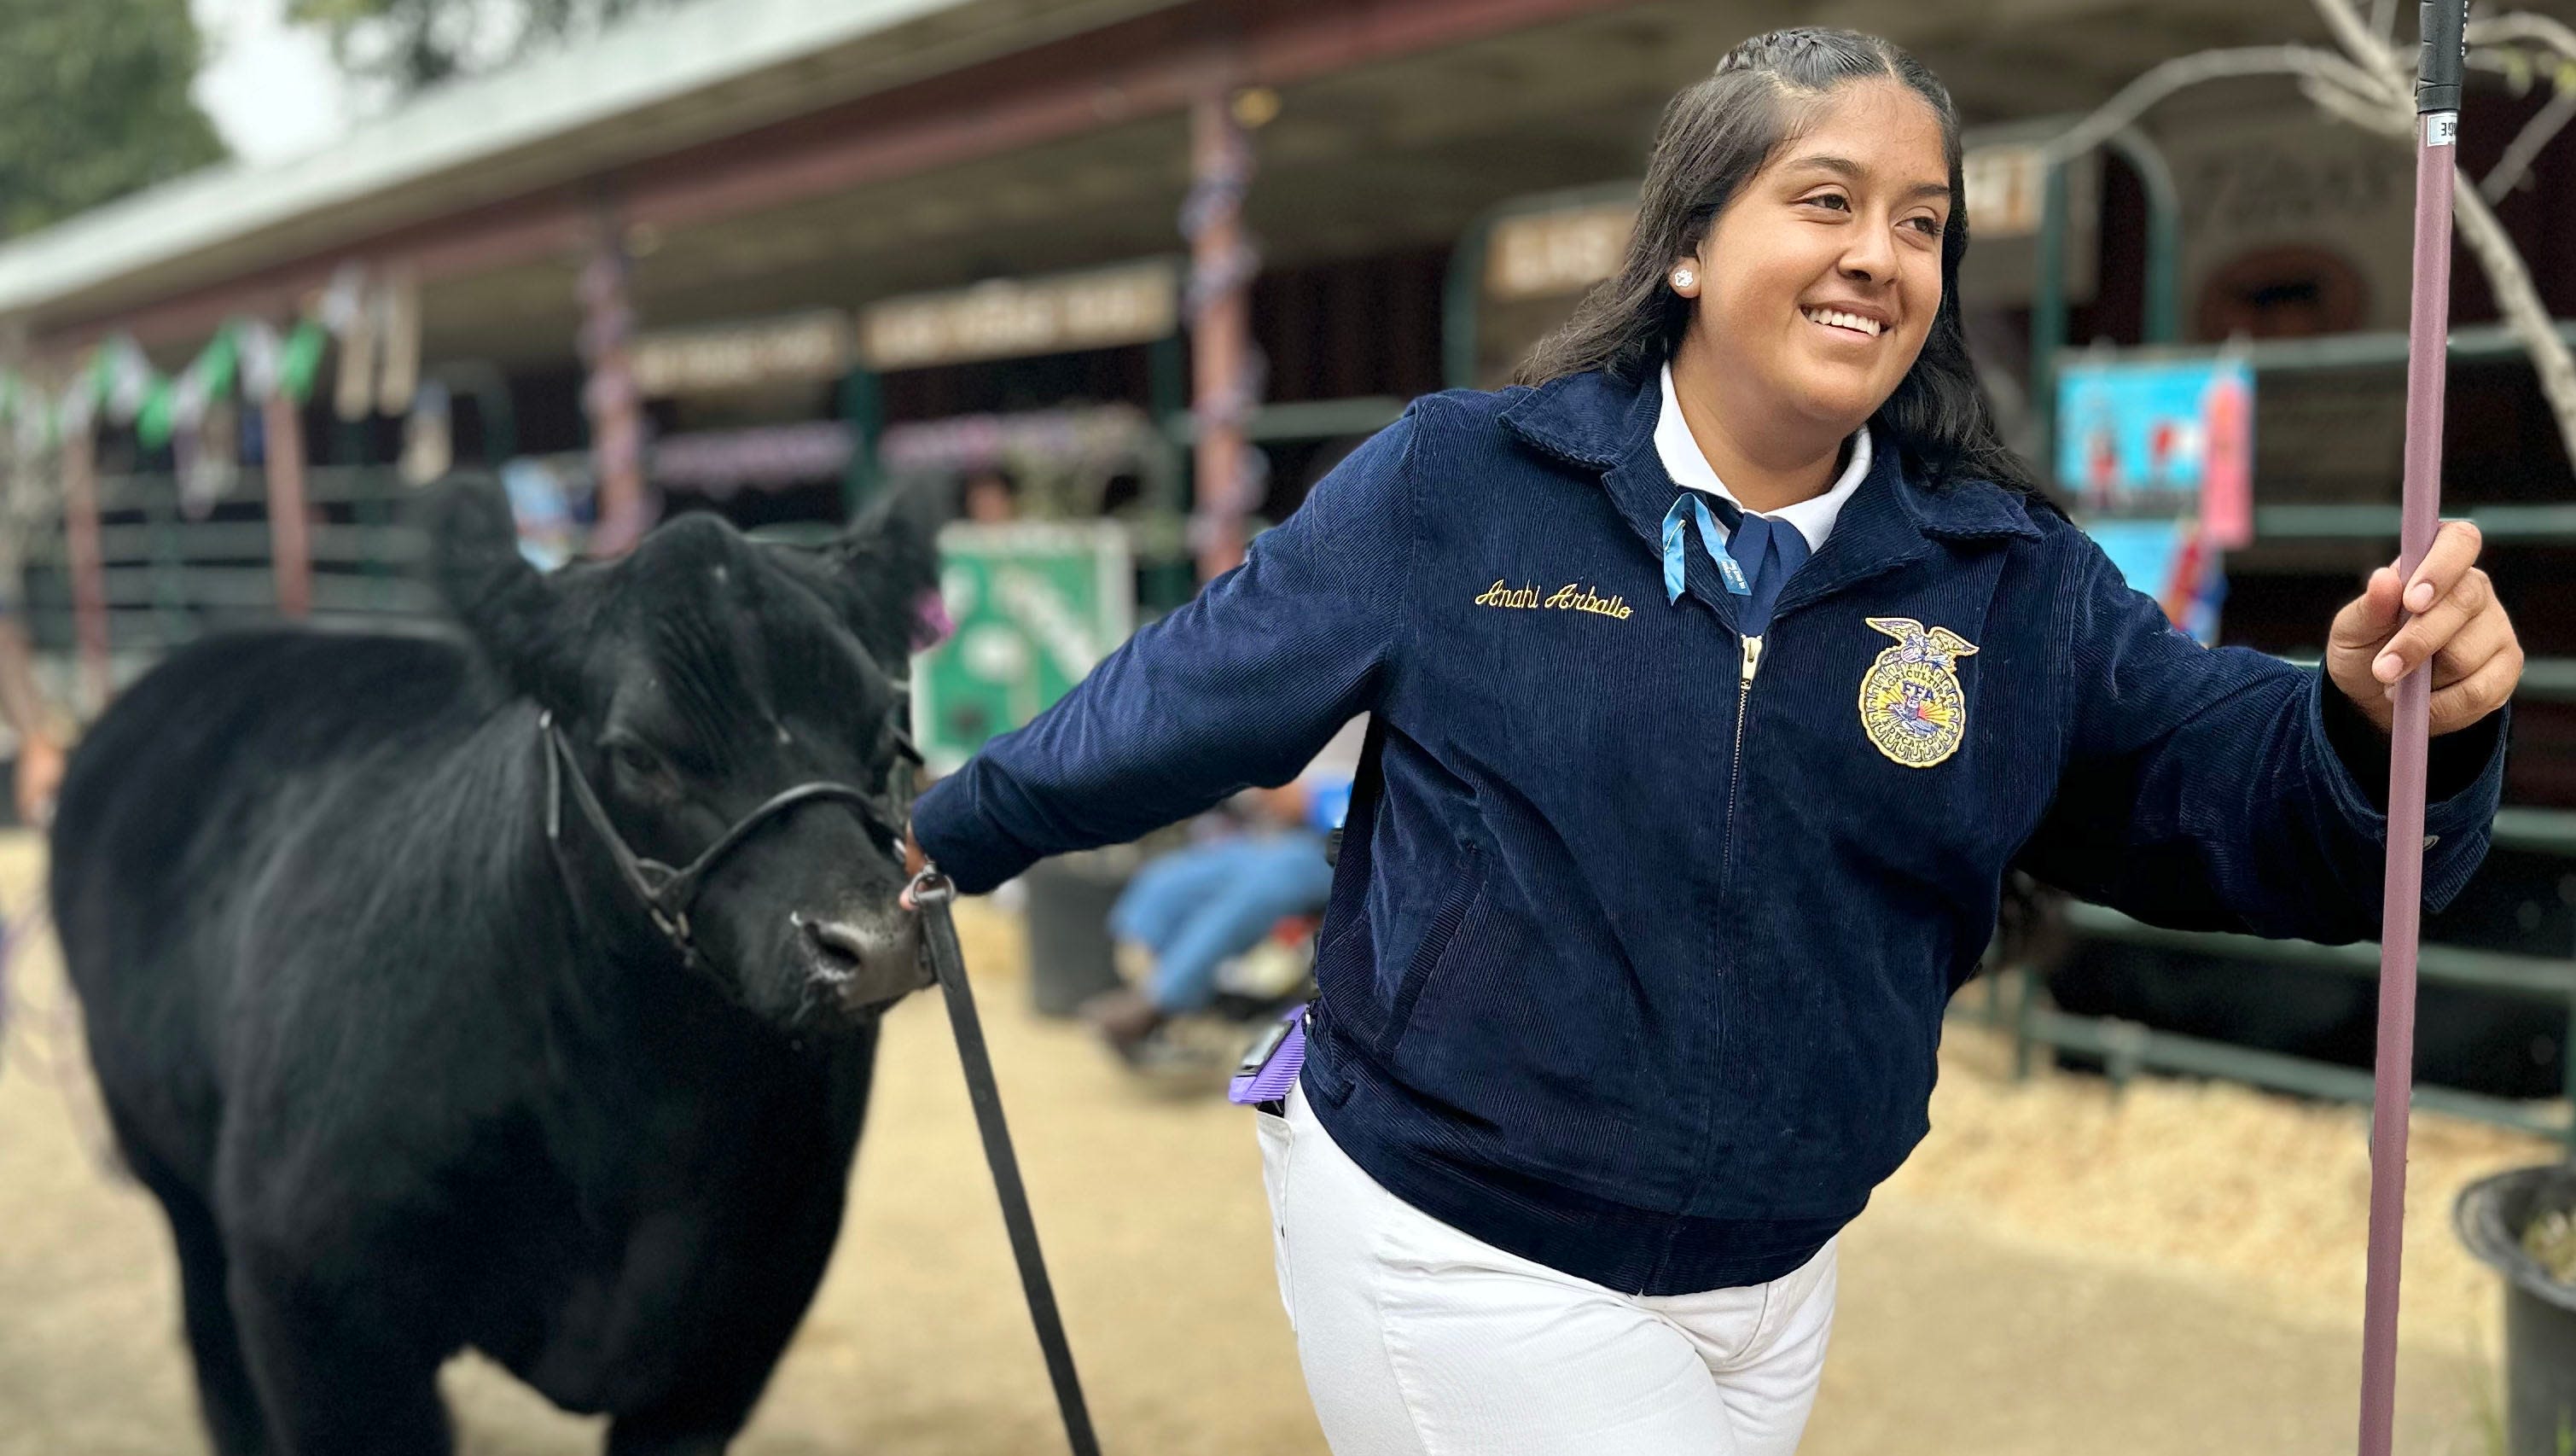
(118, 381)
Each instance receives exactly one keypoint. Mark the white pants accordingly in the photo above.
(1418, 1340)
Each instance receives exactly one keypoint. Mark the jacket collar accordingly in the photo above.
(1600, 423)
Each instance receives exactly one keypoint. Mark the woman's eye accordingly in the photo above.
(1833, 200)
(1930, 227)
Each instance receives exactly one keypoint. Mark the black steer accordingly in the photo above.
(407, 1075)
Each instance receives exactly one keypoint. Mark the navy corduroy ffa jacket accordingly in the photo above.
(1636, 961)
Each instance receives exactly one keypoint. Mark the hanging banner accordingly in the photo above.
(127, 380)
(207, 453)
(1134, 303)
(1565, 250)
(799, 348)
(717, 463)
(398, 342)
(1076, 434)
(299, 360)
(348, 311)
(1547, 254)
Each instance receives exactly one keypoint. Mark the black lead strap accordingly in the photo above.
(933, 893)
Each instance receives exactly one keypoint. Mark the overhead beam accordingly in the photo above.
(1151, 66)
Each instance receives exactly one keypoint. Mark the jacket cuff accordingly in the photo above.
(2348, 755)
(961, 840)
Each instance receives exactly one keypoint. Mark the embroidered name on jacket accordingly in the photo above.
(1574, 596)
(1910, 701)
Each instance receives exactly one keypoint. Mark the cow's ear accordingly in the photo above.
(505, 605)
(887, 568)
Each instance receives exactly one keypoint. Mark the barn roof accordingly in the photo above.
(667, 78)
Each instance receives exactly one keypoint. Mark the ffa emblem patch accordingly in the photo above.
(1910, 702)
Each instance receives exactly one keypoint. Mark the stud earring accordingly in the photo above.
(1683, 277)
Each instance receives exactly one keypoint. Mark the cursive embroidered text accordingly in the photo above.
(1574, 596)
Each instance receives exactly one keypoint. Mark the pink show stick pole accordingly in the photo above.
(2437, 106)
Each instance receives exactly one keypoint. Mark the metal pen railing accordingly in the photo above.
(170, 577)
(2015, 1000)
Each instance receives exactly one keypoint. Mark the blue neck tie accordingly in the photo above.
(1759, 558)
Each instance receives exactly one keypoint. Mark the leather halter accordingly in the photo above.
(667, 893)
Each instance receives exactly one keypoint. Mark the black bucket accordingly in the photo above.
(1071, 958)
(2539, 1312)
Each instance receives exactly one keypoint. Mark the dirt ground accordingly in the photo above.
(2174, 1271)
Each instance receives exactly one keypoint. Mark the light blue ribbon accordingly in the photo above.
(1674, 548)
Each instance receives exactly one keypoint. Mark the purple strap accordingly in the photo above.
(1269, 1079)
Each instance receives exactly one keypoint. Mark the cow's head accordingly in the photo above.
(695, 679)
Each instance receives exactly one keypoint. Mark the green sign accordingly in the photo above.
(1035, 606)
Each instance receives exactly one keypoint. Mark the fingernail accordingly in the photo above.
(2420, 597)
(2389, 668)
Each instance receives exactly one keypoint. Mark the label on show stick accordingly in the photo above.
(2441, 129)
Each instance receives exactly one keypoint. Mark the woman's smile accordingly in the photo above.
(1844, 321)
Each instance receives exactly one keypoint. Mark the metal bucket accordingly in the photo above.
(2539, 1312)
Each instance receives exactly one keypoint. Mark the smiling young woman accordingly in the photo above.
(1830, 279)
(1639, 942)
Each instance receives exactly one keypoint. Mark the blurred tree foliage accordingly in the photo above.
(94, 104)
(411, 44)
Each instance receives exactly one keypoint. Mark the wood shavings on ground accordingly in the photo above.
(2264, 1194)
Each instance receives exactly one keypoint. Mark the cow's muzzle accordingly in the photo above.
(862, 965)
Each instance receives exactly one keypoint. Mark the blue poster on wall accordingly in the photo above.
(2158, 456)
(2164, 437)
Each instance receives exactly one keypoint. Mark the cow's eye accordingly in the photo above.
(636, 760)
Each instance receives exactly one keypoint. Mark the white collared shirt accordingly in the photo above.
(1814, 517)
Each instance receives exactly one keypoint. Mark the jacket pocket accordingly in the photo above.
(1466, 888)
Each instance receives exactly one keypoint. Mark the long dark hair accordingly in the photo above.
(1715, 136)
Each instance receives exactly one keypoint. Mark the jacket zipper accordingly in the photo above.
(1735, 764)
(1751, 652)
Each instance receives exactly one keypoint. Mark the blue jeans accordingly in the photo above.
(1197, 906)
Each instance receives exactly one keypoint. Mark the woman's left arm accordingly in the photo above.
(2223, 789)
